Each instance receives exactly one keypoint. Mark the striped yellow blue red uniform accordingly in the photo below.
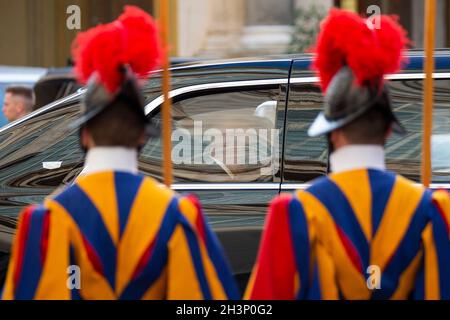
(434, 280)
(131, 239)
(351, 235)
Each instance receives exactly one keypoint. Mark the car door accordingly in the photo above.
(403, 153)
(227, 140)
(306, 158)
(37, 155)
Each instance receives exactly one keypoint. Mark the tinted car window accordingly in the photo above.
(403, 154)
(305, 158)
(223, 137)
(38, 156)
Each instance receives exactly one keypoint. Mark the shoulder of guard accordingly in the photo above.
(283, 203)
(155, 189)
(190, 207)
(441, 199)
(410, 186)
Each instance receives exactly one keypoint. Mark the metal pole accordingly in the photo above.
(166, 114)
(430, 15)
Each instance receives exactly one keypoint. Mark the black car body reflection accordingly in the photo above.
(38, 154)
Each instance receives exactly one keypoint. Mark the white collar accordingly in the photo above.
(101, 159)
(354, 157)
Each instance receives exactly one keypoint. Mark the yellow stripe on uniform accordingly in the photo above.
(251, 282)
(98, 187)
(356, 188)
(188, 209)
(432, 288)
(181, 285)
(407, 279)
(327, 274)
(157, 289)
(442, 198)
(94, 286)
(9, 289)
(53, 282)
(144, 223)
(351, 281)
(399, 211)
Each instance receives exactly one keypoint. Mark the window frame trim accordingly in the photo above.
(157, 102)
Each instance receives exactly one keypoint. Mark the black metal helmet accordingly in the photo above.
(345, 101)
(97, 98)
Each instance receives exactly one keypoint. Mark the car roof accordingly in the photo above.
(12, 75)
(415, 60)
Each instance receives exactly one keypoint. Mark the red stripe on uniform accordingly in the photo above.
(275, 275)
(44, 239)
(93, 257)
(145, 258)
(200, 224)
(443, 216)
(22, 240)
(350, 249)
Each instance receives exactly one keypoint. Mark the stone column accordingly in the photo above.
(225, 26)
(268, 26)
(325, 4)
(193, 23)
(418, 18)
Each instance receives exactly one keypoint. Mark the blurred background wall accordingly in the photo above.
(34, 32)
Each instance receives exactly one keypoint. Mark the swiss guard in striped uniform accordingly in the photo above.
(359, 232)
(123, 235)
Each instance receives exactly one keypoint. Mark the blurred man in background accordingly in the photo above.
(19, 102)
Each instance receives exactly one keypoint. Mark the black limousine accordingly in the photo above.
(240, 138)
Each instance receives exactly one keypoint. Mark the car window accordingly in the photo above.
(38, 156)
(305, 158)
(231, 136)
(403, 154)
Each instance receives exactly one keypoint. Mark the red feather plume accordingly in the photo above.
(131, 40)
(371, 53)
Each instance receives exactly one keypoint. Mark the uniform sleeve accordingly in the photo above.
(282, 270)
(433, 281)
(197, 267)
(28, 255)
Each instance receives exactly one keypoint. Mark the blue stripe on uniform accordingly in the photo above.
(196, 258)
(75, 293)
(406, 251)
(300, 240)
(127, 186)
(92, 227)
(419, 284)
(158, 260)
(381, 185)
(442, 243)
(331, 196)
(221, 266)
(315, 293)
(32, 264)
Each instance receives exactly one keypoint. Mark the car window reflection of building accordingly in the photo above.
(46, 138)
